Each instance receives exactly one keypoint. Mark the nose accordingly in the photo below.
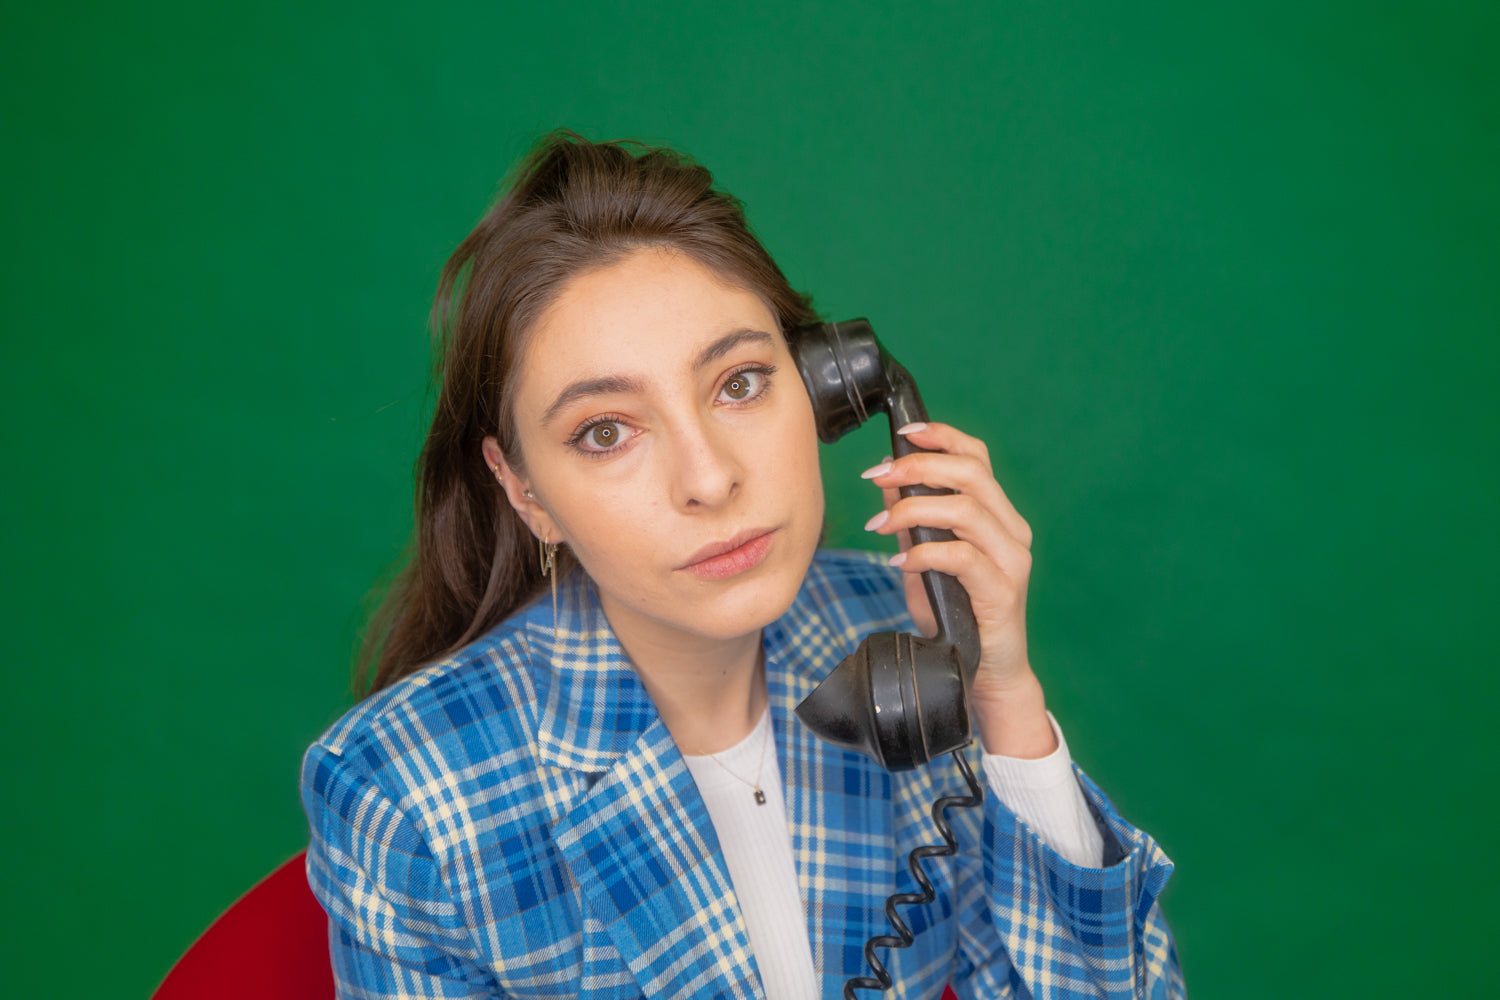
(706, 468)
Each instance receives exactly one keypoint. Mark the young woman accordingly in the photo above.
(579, 773)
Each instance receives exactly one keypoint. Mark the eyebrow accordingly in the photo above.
(622, 384)
(607, 385)
(727, 343)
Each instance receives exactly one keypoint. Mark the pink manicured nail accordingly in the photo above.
(912, 428)
(878, 521)
(876, 471)
(899, 559)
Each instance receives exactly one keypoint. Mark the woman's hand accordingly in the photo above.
(990, 556)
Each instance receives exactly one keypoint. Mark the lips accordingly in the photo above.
(718, 560)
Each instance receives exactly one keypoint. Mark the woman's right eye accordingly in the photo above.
(600, 436)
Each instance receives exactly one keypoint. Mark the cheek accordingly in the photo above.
(623, 533)
(606, 527)
(798, 458)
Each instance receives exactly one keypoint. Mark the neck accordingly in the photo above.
(710, 693)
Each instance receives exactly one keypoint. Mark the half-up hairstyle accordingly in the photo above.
(570, 206)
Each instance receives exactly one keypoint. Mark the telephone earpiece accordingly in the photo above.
(898, 698)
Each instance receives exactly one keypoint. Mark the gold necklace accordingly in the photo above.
(760, 796)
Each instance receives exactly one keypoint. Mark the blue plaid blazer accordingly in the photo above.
(515, 821)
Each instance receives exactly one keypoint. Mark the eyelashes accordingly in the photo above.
(607, 433)
(602, 430)
(754, 381)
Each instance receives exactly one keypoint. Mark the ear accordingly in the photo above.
(518, 491)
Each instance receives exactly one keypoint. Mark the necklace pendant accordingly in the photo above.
(760, 797)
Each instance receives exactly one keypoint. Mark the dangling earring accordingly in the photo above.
(547, 551)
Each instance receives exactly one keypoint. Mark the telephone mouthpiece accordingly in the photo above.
(898, 698)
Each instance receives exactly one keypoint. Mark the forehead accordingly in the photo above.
(655, 308)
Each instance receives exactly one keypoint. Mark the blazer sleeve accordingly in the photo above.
(393, 929)
(1035, 925)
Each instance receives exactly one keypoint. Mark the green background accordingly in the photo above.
(1217, 285)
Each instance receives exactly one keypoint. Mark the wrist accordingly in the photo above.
(1012, 722)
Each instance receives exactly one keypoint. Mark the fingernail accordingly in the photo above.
(878, 521)
(899, 559)
(912, 428)
(878, 470)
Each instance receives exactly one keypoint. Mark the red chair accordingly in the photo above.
(273, 942)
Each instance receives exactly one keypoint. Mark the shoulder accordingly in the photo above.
(474, 705)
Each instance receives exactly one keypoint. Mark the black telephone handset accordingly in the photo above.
(899, 698)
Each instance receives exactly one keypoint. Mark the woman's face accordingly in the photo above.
(668, 441)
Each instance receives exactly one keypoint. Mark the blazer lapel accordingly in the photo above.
(639, 841)
(838, 803)
(644, 853)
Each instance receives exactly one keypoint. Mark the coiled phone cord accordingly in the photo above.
(904, 937)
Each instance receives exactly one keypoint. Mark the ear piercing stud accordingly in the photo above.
(500, 478)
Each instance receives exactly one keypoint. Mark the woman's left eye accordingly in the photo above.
(745, 385)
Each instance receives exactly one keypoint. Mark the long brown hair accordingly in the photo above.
(570, 205)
